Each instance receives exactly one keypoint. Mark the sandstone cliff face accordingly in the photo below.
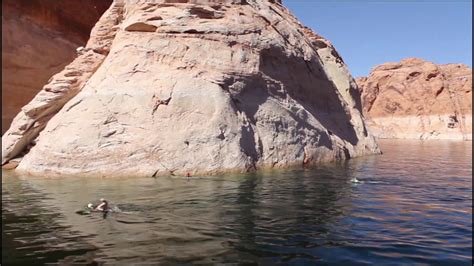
(171, 87)
(39, 38)
(416, 99)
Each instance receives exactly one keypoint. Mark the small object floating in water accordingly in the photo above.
(355, 180)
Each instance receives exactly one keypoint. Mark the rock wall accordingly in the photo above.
(199, 86)
(39, 38)
(416, 99)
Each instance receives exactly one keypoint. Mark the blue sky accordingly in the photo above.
(369, 32)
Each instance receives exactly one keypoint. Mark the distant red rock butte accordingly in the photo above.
(417, 99)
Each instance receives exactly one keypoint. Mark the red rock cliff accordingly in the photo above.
(200, 86)
(417, 99)
(39, 38)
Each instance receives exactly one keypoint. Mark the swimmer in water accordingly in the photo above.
(103, 206)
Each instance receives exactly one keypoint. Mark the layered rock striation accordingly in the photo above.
(175, 87)
(416, 99)
(39, 38)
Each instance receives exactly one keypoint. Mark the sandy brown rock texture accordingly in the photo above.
(416, 99)
(199, 87)
(39, 38)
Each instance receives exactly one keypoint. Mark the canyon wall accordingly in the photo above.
(39, 38)
(416, 99)
(201, 87)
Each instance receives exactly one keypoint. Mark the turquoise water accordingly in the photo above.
(412, 206)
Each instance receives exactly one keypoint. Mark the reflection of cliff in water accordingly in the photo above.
(276, 217)
(163, 220)
(178, 220)
(32, 230)
(271, 213)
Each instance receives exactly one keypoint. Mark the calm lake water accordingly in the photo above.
(413, 206)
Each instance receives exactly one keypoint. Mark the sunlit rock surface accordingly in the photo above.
(416, 99)
(177, 87)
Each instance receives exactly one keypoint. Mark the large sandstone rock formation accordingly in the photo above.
(416, 99)
(39, 38)
(170, 87)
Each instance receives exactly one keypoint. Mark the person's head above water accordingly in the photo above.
(104, 201)
(104, 205)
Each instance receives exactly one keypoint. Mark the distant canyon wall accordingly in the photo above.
(416, 99)
(39, 38)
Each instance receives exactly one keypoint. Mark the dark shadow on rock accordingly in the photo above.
(307, 83)
(248, 93)
(304, 81)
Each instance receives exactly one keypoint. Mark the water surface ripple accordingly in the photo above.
(412, 206)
